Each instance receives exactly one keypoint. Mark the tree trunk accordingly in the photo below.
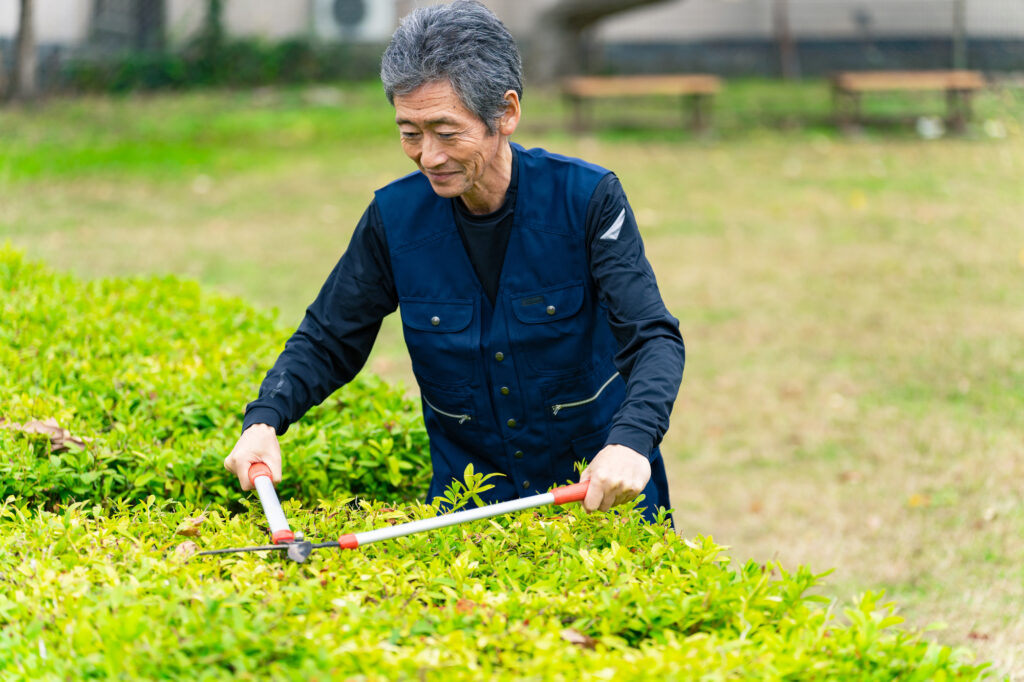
(959, 34)
(557, 45)
(25, 54)
(3, 78)
(789, 65)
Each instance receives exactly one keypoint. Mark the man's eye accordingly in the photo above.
(446, 136)
(409, 135)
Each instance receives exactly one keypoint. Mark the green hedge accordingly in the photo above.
(552, 595)
(234, 63)
(154, 375)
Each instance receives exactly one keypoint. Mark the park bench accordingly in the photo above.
(848, 86)
(696, 90)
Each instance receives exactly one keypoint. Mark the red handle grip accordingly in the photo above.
(258, 469)
(571, 493)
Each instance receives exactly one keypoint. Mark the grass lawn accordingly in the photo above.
(853, 307)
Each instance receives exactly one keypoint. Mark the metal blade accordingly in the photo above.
(299, 551)
(260, 548)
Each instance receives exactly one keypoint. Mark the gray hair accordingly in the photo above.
(463, 43)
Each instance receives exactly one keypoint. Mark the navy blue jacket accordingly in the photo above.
(577, 351)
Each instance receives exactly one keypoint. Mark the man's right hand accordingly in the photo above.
(258, 443)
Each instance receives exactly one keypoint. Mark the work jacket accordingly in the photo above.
(526, 387)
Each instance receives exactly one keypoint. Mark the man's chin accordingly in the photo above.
(447, 190)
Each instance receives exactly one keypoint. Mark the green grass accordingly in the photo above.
(853, 307)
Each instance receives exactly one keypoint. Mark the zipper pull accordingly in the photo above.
(556, 408)
(464, 418)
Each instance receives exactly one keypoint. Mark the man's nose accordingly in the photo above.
(433, 154)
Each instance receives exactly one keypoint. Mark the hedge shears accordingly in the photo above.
(298, 548)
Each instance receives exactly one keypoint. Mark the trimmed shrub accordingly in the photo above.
(148, 377)
(231, 63)
(151, 377)
(552, 594)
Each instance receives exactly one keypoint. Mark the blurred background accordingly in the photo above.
(830, 193)
(88, 44)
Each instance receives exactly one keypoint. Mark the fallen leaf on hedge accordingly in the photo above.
(465, 606)
(190, 527)
(60, 439)
(185, 550)
(574, 636)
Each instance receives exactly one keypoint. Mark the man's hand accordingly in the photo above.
(257, 444)
(617, 475)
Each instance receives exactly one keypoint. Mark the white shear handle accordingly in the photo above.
(259, 476)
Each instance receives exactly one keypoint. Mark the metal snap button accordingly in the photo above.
(511, 423)
(435, 320)
(499, 356)
(518, 454)
(526, 484)
(551, 310)
(505, 390)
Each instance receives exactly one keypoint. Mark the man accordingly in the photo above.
(537, 333)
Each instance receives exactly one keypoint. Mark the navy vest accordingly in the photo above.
(526, 387)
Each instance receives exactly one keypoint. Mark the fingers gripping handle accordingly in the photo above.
(259, 476)
(571, 493)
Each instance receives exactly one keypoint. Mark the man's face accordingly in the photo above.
(449, 143)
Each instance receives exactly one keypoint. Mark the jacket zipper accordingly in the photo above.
(556, 408)
(461, 417)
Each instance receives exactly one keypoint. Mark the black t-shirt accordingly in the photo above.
(485, 237)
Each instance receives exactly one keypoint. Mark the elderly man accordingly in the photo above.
(537, 333)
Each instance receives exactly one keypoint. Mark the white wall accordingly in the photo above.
(64, 22)
(696, 19)
(269, 19)
(996, 18)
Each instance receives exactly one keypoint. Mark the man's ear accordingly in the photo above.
(510, 118)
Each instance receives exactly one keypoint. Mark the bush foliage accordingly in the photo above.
(552, 594)
(154, 375)
(233, 63)
(98, 542)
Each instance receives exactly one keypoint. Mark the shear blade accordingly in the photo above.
(299, 551)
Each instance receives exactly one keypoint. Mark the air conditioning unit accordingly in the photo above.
(357, 21)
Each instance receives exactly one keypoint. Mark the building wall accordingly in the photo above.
(695, 20)
(725, 36)
(67, 21)
(268, 19)
(681, 20)
(64, 22)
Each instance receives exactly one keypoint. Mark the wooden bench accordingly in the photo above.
(696, 90)
(848, 86)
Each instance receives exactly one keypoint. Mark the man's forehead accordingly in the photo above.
(431, 104)
(437, 121)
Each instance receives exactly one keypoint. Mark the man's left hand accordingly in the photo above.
(617, 475)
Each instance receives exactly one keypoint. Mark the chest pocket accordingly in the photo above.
(551, 333)
(442, 339)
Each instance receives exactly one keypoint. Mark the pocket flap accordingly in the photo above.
(548, 305)
(436, 316)
(453, 403)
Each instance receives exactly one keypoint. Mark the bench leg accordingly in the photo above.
(847, 109)
(576, 116)
(958, 105)
(700, 107)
